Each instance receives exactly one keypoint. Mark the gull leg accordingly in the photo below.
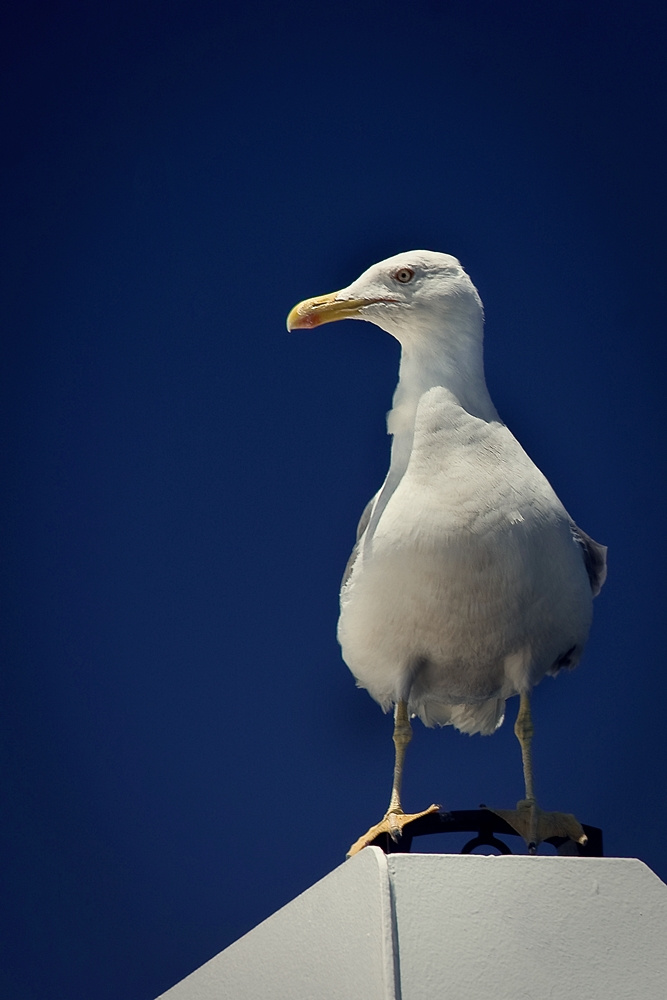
(402, 736)
(528, 819)
(524, 732)
(394, 819)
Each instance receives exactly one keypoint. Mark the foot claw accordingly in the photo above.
(534, 825)
(392, 824)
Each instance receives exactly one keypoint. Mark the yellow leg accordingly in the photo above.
(524, 732)
(528, 819)
(402, 737)
(394, 819)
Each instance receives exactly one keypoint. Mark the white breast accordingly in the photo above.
(468, 585)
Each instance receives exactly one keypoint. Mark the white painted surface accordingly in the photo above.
(522, 928)
(333, 941)
(411, 927)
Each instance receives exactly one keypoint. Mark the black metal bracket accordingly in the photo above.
(485, 824)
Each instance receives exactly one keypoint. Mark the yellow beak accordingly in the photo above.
(323, 309)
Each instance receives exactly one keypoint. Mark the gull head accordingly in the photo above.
(412, 295)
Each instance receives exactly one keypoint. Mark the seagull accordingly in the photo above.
(469, 582)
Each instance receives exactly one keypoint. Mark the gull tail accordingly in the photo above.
(484, 718)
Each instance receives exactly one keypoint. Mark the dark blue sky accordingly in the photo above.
(183, 749)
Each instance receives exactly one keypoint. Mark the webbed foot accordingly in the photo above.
(393, 824)
(535, 825)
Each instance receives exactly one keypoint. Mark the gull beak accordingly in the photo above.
(324, 309)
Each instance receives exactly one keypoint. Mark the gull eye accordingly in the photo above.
(404, 275)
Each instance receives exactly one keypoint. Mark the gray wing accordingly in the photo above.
(361, 527)
(594, 555)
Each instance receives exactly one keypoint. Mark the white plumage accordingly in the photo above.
(469, 581)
